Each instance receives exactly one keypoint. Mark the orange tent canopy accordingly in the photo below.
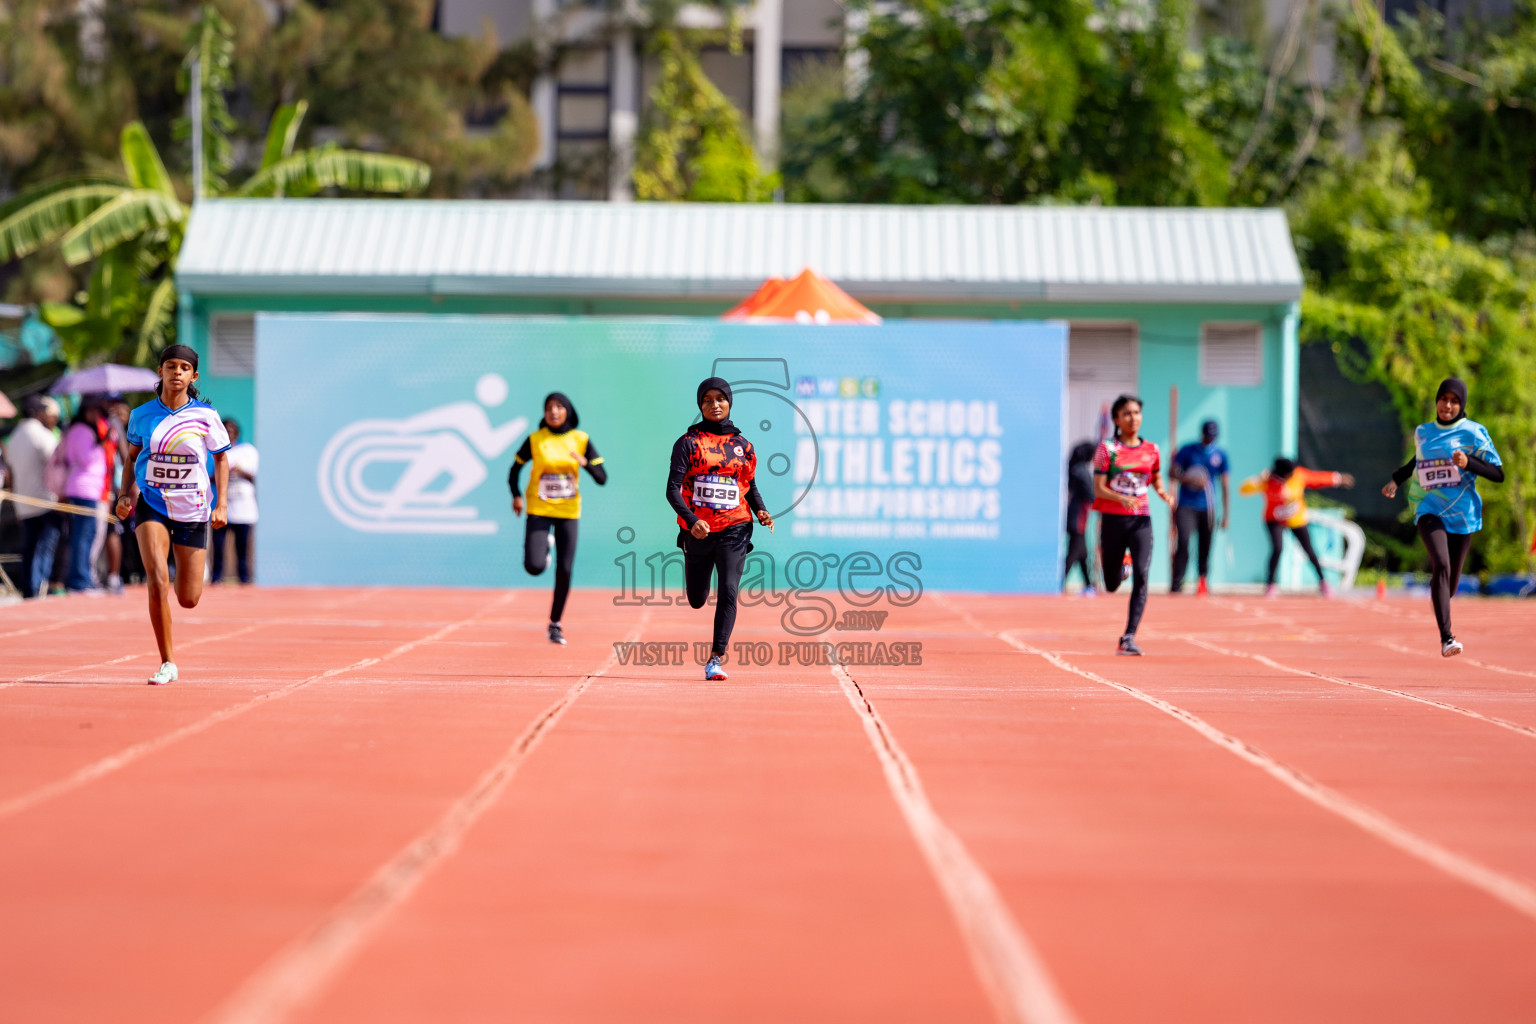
(807, 298)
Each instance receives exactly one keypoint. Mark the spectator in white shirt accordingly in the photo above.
(243, 462)
(27, 451)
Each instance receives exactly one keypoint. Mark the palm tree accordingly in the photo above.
(132, 226)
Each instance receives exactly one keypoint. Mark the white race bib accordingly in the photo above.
(717, 492)
(1132, 485)
(1435, 474)
(557, 486)
(174, 472)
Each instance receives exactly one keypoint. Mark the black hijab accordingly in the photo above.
(725, 426)
(571, 419)
(1452, 386)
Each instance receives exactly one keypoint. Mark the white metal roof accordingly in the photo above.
(707, 250)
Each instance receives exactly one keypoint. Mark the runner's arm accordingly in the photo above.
(1401, 474)
(128, 487)
(675, 474)
(755, 498)
(523, 457)
(1487, 470)
(220, 517)
(594, 464)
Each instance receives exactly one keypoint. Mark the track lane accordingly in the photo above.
(680, 851)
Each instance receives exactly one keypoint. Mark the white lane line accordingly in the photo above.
(1502, 723)
(1512, 892)
(1389, 645)
(259, 623)
(138, 751)
(298, 974)
(61, 623)
(44, 677)
(1012, 973)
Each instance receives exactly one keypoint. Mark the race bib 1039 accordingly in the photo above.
(717, 492)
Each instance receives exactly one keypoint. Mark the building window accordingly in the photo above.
(232, 345)
(1231, 355)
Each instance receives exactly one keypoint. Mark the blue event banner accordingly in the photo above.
(386, 443)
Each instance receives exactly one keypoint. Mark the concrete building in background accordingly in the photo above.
(589, 108)
(1202, 299)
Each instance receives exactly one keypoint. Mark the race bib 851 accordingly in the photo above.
(1435, 474)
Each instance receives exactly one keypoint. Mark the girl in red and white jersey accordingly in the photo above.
(1124, 468)
(712, 486)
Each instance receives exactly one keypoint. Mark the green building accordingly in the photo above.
(1201, 300)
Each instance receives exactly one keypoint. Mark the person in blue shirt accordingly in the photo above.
(1449, 454)
(1196, 468)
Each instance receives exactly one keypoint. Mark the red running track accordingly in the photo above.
(391, 805)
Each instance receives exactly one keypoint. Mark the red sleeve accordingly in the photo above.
(1315, 479)
(1101, 458)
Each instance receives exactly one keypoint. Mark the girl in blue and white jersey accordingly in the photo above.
(1449, 454)
(172, 441)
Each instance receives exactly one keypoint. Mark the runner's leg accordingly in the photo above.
(1113, 530)
(730, 554)
(1304, 538)
(189, 574)
(1139, 541)
(536, 545)
(1184, 524)
(1432, 532)
(698, 568)
(155, 544)
(1077, 555)
(565, 561)
(1206, 527)
(1276, 546)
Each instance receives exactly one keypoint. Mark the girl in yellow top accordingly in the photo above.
(558, 451)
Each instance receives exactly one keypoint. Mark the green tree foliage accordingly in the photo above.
(1006, 101)
(692, 144)
(1465, 104)
(1405, 304)
(129, 227)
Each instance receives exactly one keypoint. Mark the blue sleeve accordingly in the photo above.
(1221, 462)
(1487, 452)
(135, 429)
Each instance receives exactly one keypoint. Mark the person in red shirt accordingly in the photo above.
(1284, 487)
(713, 488)
(1124, 468)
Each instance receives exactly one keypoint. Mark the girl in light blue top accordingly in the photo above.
(1449, 454)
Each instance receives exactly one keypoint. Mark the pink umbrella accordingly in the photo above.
(107, 379)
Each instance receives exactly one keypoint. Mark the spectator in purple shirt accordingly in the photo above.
(85, 461)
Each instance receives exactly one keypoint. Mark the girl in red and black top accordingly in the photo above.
(713, 489)
(1124, 467)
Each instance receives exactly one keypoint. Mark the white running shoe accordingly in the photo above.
(165, 674)
(1450, 648)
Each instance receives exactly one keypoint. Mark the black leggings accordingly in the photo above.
(721, 554)
(1198, 521)
(1117, 535)
(536, 555)
(1276, 545)
(1447, 555)
(1077, 554)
